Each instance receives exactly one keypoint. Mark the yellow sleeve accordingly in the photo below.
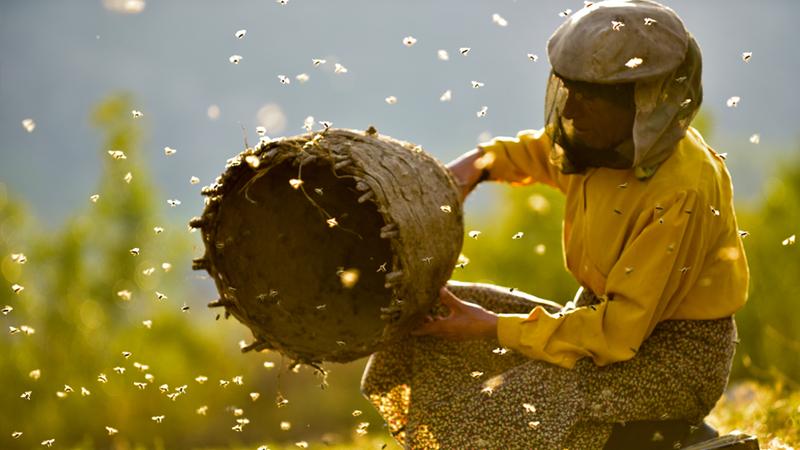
(653, 273)
(522, 160)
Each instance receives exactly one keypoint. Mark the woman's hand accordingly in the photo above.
(465, 321)
(466, 173)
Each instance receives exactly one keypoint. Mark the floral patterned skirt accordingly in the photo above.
(435, 393)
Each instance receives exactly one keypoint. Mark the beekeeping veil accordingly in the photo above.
(627, 41)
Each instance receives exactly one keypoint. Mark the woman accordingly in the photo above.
(644, 351)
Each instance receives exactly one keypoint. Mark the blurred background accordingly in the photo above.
(87, 319)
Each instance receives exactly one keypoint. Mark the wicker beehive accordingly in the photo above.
(330, 244)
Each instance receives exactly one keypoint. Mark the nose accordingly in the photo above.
(573, 106)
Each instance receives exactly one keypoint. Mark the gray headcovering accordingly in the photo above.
(622, 41)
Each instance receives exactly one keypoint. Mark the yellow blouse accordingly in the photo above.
(664, 248)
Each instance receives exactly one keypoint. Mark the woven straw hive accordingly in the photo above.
(331, 244)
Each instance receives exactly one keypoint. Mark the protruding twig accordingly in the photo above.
(211, 190)
(362, 187)
(342, 164)
(256, 345)
(391, 313)
(389, 234)
(366, 196)
(218, 303)
(392, 278)
(200, 264)
(196, 222)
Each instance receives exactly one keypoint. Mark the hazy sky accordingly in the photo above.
(59, 58)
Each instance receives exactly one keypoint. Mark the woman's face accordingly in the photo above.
(598, 116)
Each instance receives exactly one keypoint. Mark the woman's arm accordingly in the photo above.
(469, 171)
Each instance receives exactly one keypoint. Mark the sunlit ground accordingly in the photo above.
(770, 412)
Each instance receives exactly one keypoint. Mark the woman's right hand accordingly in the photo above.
(465, 172)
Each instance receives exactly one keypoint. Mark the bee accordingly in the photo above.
(498, 20)
(634, 63)
(29, 126)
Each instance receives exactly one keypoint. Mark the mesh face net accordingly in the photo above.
(574, 152)
(626, 41)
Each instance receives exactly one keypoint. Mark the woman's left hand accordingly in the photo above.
(465, 321)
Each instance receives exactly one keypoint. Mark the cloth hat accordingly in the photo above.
(623, 41)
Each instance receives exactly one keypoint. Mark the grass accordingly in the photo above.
(770, 412)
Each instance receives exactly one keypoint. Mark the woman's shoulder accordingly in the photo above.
(693, 167)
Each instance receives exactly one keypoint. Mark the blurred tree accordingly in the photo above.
(769, 325)
(532, 261)
(86, 298)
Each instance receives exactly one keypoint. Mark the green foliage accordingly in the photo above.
(769, 325)
(74, 283)
(770, 412)
(532, 263)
